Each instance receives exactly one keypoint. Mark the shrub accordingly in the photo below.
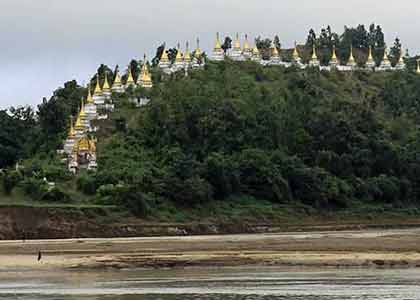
(56, 195)
(10, 180)
(34, 188)
(86, 184)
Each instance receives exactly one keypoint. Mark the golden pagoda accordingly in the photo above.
(370, 63)
(246, 43)
(130, 79)
(237, 45)
(82, 112)
(351, 62)
(72, 132)
(418, 67)
(295, 54)
(89, 98)
(98, 90)
(314, 56)
(198, 52)
(256, 55)
(218, 53)
(117, 79)
(385, 63)
(187, 57)
(334, 59)
(105, 87)
(145, 77)
(400, 65)
(370, 56)
(84, 144)
(217, 44)
(275, 52)
(179, 59)
(79, 126)
(164, 57)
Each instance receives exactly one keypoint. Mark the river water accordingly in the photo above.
(213, 284)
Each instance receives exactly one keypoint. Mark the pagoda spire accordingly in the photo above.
(370, 56)
(256, 55)
(89, 98)
(79, 126)
(105, 86)
(237, 45)
(145, 77)
(295, 54)
(82, 109)
(179, 56)
(130, 79)
(351, 62)
(314, 56)
(246, 43)
(72, 132)
(198, 52)
(117, 85)
(275, 51)
(418, 67)
(164, 57)
(218, 53)
(370, 63)
(187, 57)
(334, 55)
(98, 90)
(217, 44)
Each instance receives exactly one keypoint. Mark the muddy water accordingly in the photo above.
(213, 284)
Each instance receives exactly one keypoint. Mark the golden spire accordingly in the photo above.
(370, 56)
(72, 132)
(179, 57)
(82, 112)
(78, 124)
(275, 52)
(130, 79)
(334, 55)
(246, 43)
(164, 57)
(217, 45)
(418, 67)
(117, 80)
(351, 58)
(314, 57)
(89, 98)
(145, 77)
(237, 43)
(105, 86)
(187, 56)
(198, 52)
(295, 54)
(97, 90)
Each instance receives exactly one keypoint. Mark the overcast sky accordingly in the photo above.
(44, 43)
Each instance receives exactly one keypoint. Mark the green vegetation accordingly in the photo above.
(237, 141)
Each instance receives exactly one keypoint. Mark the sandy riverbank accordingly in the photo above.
(385, 248)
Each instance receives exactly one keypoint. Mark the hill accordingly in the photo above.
(235, 141)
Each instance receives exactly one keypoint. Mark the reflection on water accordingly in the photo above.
(212, 284)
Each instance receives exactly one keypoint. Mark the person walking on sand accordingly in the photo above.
(39, 255)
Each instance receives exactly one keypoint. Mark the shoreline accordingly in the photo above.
(363, 248)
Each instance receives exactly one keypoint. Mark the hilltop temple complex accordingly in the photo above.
(79, 147)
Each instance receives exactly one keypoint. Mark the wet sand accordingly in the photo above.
(383, 248)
